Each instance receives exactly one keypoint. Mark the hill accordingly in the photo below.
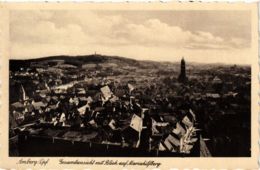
(78, 61)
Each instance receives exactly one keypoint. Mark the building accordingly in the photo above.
(182, 77)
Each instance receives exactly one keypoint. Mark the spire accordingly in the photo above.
(23, 94)
(182, 60)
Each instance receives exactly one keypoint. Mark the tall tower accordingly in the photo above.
(182, 77)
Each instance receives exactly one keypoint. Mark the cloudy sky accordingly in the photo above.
(201, 36)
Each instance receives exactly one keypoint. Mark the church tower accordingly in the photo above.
(182, 77)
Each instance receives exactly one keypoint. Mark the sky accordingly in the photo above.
(165, 35)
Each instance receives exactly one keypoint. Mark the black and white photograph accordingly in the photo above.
(130, 83)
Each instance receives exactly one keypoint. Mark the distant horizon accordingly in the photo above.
(146, 60)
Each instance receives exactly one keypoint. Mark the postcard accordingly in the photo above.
(129, 85)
